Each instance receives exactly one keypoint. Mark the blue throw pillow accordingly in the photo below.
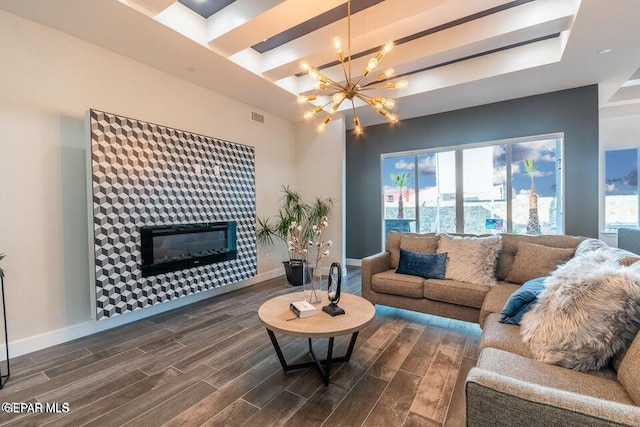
(429, 266)
(521, 301)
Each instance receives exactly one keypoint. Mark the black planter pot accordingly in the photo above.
(294, 271)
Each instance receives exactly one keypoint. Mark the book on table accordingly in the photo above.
(303, 309)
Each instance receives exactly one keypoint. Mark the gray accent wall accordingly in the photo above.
(573, 112)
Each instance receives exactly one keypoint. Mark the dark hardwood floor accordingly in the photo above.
(212, 364)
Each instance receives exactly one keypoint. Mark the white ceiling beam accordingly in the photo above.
(149, 7)
(274, 21)
(236, 14)
(370, 28)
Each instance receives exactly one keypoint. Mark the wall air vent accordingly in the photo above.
(256, 117)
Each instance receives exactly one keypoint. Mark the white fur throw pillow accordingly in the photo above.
(471, 259)
(589, 311)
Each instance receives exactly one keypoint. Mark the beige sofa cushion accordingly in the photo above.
(502, 336)
(455, 292)
(392, 245)
(496, 299)
(629, 370)
(389, 282)
(534, 261)
(420, 243)
(531, 371)
(510, 247)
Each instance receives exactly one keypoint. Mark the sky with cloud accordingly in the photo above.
(543, 153)
(621, 170)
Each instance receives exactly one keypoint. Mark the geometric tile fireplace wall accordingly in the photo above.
(143, 174)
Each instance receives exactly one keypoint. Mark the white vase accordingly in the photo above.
(312, 282)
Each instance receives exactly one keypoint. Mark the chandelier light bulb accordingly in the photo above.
(338, 96)
(304, 98)
(388, 73)
(373, 63)
(320, 85)
(357, 128)
(393, 118)
(322, 126)
(388, 102)
(304, 66)
(308, 115)
(402, 84)
(337, 44)
(387, 47)
(314, 74)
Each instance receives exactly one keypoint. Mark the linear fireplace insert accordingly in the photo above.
(174, 247)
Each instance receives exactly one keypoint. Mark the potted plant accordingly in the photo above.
(293, 225)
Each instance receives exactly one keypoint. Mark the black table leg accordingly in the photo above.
(324, 366)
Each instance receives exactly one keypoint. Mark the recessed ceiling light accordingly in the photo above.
(604, 51)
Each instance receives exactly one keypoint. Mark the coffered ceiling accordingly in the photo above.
(454, 53)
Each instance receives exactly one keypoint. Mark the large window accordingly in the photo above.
(510, 186)
(621, 188)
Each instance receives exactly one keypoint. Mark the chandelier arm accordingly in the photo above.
(349, 36)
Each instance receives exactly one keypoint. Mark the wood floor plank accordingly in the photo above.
(355, 407)
(394, 355)
(28, 370)
(233, 415)
(419, 359)
(173, 406)
(395, 402)
(456, 414)
(24, 382)
(277, 411)
(225, 396)
(213, 332)
(63, 380)
(86, 398)
(150, 399)
(268, 389)
(115, 400)
(434, 393)
(318, 407)
(235, 368)
(191, 352)
(98, 378)
(415, 420)
(365, 355)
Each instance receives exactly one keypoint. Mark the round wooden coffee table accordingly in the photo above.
(276, 316)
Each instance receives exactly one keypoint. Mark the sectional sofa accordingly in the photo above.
(508, 386)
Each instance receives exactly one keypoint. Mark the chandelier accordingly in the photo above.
(352, 88)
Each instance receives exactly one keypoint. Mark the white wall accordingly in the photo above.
(615, 133)
(320, 165)
(47, 81)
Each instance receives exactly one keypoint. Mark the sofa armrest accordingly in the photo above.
(494, 399)
(495, 299)
(371, 265)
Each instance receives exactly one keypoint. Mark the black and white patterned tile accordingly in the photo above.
(145, 174)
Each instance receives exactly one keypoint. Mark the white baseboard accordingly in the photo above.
(69, 333)
(354, 262)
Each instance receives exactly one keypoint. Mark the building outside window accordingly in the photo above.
(512, 186)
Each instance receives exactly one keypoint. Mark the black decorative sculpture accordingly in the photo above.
(333, 290)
